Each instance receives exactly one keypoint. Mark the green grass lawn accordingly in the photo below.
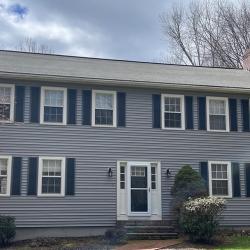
(223, 242)
(236, 242)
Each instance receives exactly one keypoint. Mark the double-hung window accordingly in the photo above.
(51, 181)
(6, 103)
(217, 114)
(5, 175)
(173, 111)
(53, 105)
(104, 108)
(220, 179)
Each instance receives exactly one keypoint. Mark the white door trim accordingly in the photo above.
(146, 164)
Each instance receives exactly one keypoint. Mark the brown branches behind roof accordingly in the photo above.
(208, 33)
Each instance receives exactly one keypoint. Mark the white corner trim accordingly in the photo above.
(12, 102)
(182, 111)
(225, 99)
(9, 170)
(229, 178)
(63, 169)
(43, 88)
(114, 93)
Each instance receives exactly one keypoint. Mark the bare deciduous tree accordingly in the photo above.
(209, 33)
(30, 45)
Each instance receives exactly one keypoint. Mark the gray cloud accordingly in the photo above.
(103, 28)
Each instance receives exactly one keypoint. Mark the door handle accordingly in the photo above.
(149, 189)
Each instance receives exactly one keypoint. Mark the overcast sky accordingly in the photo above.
(121, 29)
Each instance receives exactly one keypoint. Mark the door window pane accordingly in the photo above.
(139, 200)
(153, 175)
(139, 177)
(122, 174)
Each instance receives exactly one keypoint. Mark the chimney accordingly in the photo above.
(246, 60)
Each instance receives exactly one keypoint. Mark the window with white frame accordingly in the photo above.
(220, 179)
(173, 111)
(51, 176)
(6, 103)
(54, 103)
(104, 108)
(217, 114)
(5, 175)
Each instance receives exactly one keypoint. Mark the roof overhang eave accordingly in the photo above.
(123, 83)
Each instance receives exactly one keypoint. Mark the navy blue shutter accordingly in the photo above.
(121, 109)
(35, 104)
(70, 176)
(233, 114)
(86, 107)
(247, 172)
(19, 103)
(16, 176)
(71, 101)
(202, 113)
(189, 112)
(204, 172)
(32, 176)
(156, 110)
(245, 114)
(236, 179)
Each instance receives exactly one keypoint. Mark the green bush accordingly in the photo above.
(188, 184)
(199, 218)
(7, 230)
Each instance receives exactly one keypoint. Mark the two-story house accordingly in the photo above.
(87, 142)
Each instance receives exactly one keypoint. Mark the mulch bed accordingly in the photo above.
(84, 243)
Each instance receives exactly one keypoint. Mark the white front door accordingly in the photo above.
(139, 190)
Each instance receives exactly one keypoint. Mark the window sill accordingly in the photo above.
(53, 123)
(2, 121)
(218, 131)
(164, 128)
(50, 195)
(103, 126)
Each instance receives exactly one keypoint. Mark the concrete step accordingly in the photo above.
(152, 236)
(149, 229)
(144, 223)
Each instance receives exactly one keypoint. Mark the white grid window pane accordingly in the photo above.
(104, 101)
(5, 103)
(3, 167)
(217, 114)
(217, 107)
(51, 176)
(172, 104)
(53, 98)
(123, 166)
(5, 95)
(3, 175)
(219, 179)
(153, 175)
(138, 171)
(172, 112)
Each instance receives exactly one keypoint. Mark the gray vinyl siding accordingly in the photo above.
(97, 149)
